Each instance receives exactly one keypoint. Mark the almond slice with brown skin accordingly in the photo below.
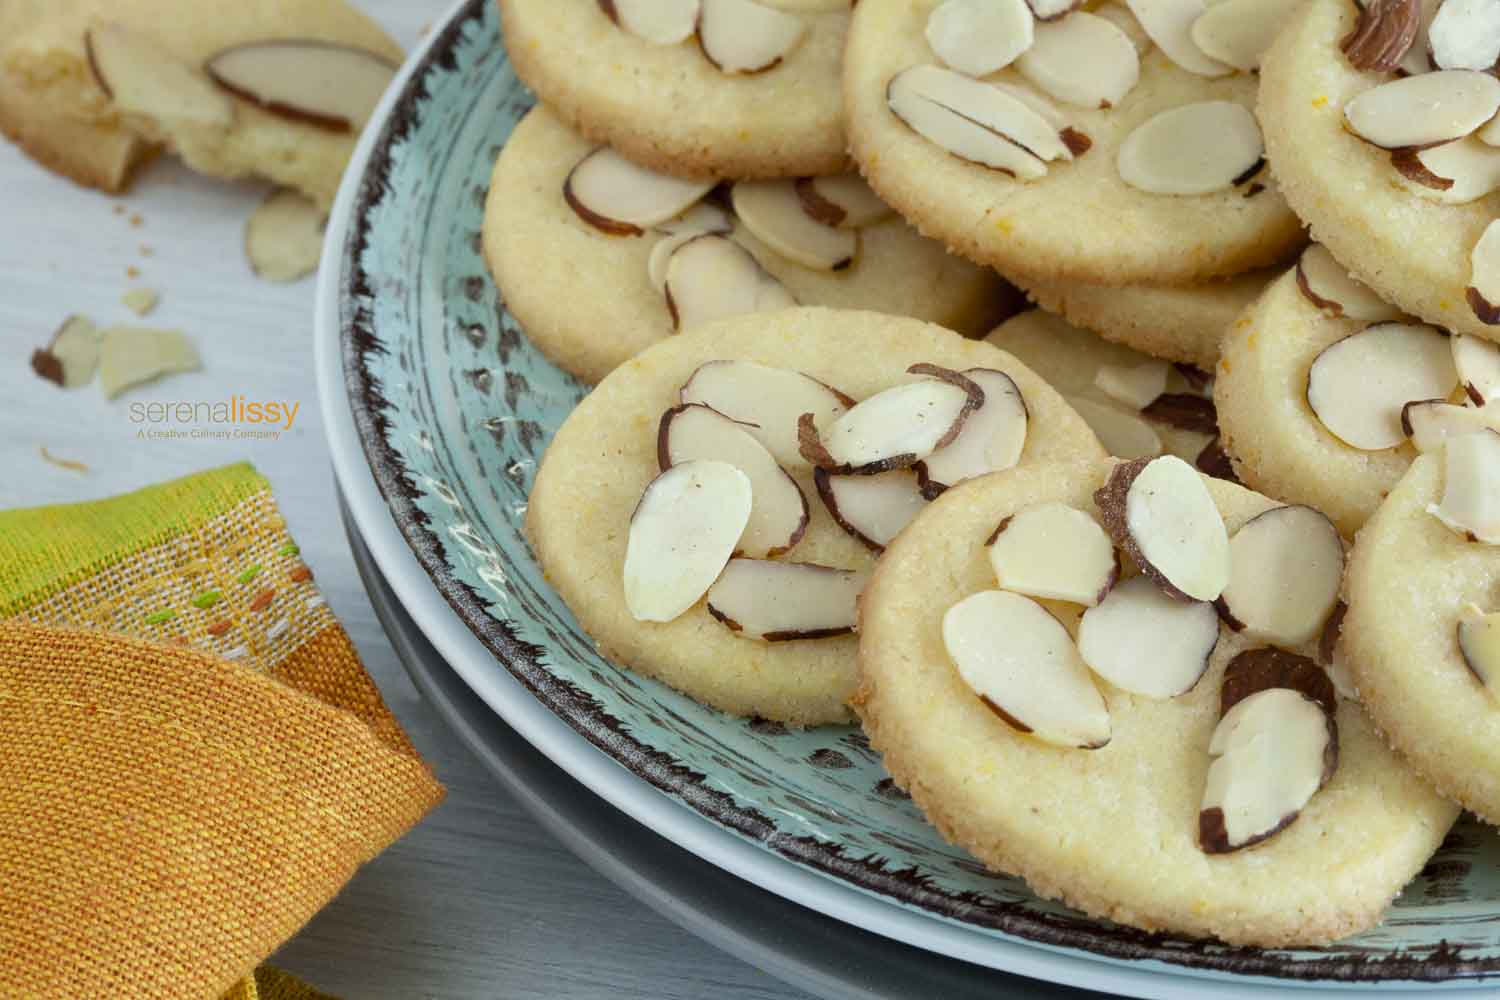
(742, 37)
(70, 360)
(1237, 32)
(778, 515)
(1276, 745)
(1479, 644)
(284, 237)
(1431, 423)
(1471, 487)
(781, 601)
(621, 198)
(703, 219)
(1483, 292)
(1326, 284)
(1454, 173)
(1023, 665)
(1082, 60)
(1143, 641)
(992, 438)
(1465, 34)
(972, 120)
(1056, 552)
(842, 200)
(1137, 386)
(874, 509)
(1184, 410)
(978, 37)
(710, 277)
(1286, 566)
(897, 428)
(661, 22)
(139, 76)
(1358, 385)
(683, 531)
(1160, 512)
(768, 401)
(773, 212)
(1477, 362)
(1384, 37)
(1122, 433)
(1424, 110)
(1170, 25)
(332, 86)
(1192, 149)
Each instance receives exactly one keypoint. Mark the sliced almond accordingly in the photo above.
(894, 429)
(1137, 386)
(71, 358)
(1170, 25)
(1054, 551)
(1471, 487)
(1431, 423)
(1119, 15)
(781, 601)
(710, 277)
(992, 438)
(1143, 641)
(1122, 433)
(660, 22)
(768, 401)
(141, 77)
(701, 220)
(683, 531)
(284, 236)
(778, 516)
(1237, 32)
(978, 37)
(1023, 665)
(772, 211)
(1454, 173)
(1185, 411)
(873, 509)
(1489, 132)
(1160, 512)
(741, 36)
(974, 121)
(1051, 10)
(1192, 149)
(1423, 110)
(1383, 37)
(1049, 112)
(1465, 34)
(1357, 386)
(1477, 362)
(1083, 60)
(1479, 644)
(1483, 292)
(132, 356)
(320, 83)
(620, 198)
(1327, 285)
(842, 200)
(1286, 566)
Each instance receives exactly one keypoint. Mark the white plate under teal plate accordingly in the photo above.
(437, 410)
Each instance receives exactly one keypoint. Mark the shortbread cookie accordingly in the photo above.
(620, 554)
(1418, 640)
(1177, 322)
(1311, 396)
(1124, 167)
(691, 101)
(545, 252)
(1137, 405)
(1173, 821)
(277, 89)
(1399, 236)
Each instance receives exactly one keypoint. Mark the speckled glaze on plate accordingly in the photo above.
(453, 408)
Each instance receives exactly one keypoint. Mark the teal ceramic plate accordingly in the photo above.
(452, 409)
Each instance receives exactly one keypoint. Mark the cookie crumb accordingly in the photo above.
(137, 220)
(140, 301)
(132, 272)
(147, 250)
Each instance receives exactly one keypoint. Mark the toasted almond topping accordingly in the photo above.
(842, 200)
(682, 533)
(284, 236)
(1143, 641)
(1170, 25)
(1484, 277)
(1192, 149)
(975, 121)
(978, 37)
(1161, 513)
(992, 438)
(1465, 34)
(781, 601)
(897, 428)
(1477, 362)
(618, 197)
(1286, 566)
(1330, 287)
(1137, 386)
(140, 76)
(1358, 385)
(1083, 60)
(1454, 173)
(710, 277)
(700, 220)
(661, 22)
(1236, 32)
(772, 211)
(73, 355)
(873, 509)
(1471, 487)
(741, 36)
(1479, 644)
(1122, 433)
(1054, 551)
(1024, 666)
(306, 80)
(1383, 35)
(1431, 423)
(1423, 110)
(768, 401)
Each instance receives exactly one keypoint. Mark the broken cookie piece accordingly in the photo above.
(284, 236)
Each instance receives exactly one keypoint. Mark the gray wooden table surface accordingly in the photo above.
(478, 901)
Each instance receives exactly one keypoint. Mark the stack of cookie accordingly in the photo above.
(1133, 681)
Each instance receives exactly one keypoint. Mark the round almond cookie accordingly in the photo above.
(698, 88)
(1054, 740)
(620, 553)
(1418, 636)
(1311, 397)
(1410, 238)
(543, 250)
(1087, 154)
